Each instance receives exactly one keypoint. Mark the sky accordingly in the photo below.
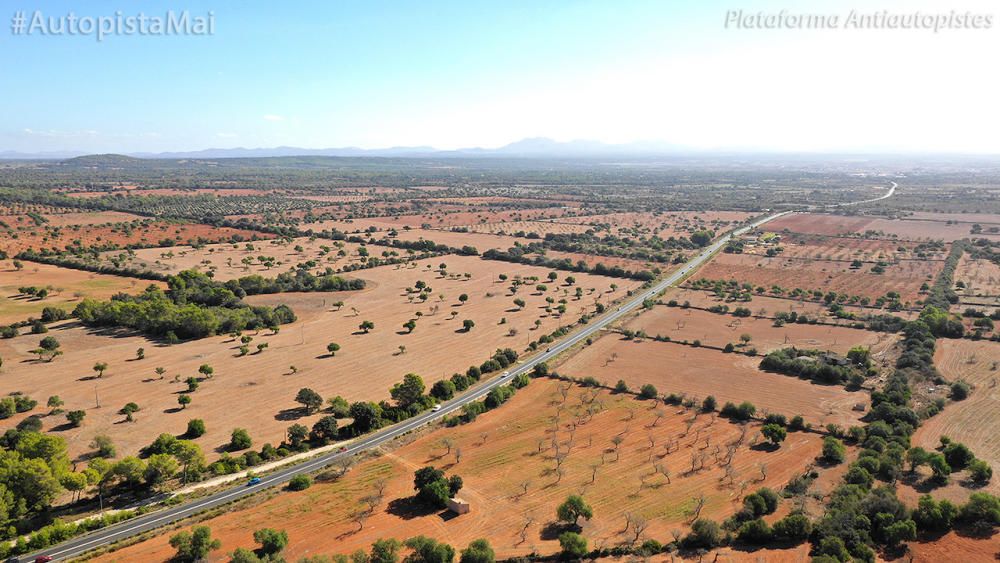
(453, 74)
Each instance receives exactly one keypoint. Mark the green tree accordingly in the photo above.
(240, 439)
(427, 550)
(409, 391)
(206, 370)
(366, 326)
(325, 430)
(159, 469)
(100, 368)
(332, 348)
(297, 435)
(128, 410)
(574, 508)
(367, 416)
(309, 399)
(774, 433)
(272, 542)
(194, 545)
(443, 390)
(75, 418)
(468, 325)
(478, 551)
(184, 400)
(385, 551)
(195, 428)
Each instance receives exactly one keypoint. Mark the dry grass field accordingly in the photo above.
(718, 330)
(481, 241)
(509, 449)
(540, 228)
(664, 224)
(974, 420)
(700, 372)
(981, 278)
(257, 391)
(68, 287)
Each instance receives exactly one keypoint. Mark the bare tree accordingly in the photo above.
(639, 525)
(524, 487)
(528, 521)
(698, 506)
(763, 471)
(663, 470)
(458, 455)
(659, 416)
(617, 441)
(593, 472)
(360, 517)
(446, 443)
(343, 466)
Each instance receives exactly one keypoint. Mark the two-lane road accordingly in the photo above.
(118, 532)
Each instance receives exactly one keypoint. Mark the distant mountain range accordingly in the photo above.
(538, 147)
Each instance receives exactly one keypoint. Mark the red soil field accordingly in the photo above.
(954, 547)
(819, 224)
(772, 305)
(364, 369)
(138, 233)
(812, 223)
(718, 330)
(848, 248)
(499, 452)
(904, 277)
(700, 372)
(925, 230)
(981, 218)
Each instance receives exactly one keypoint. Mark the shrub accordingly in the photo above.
(755, 531)
(833, 450)
(299, 483)
(195, 428)
(573, 544)
(704, 533)
(793, 528)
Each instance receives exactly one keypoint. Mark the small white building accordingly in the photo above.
(459, 506)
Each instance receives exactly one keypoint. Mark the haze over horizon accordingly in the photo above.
(379, 75)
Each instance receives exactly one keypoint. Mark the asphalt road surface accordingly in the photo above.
(118, 532)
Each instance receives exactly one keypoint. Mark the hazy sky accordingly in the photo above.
(474, 73)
